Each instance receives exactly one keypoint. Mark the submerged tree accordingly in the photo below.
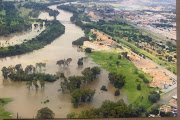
(5, 72)
(74, 82)
(64, 62)
(81, 95)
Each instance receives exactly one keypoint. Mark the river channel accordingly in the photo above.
(27, 102)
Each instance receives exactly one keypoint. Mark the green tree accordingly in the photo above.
(35, 84)
(139, 87)
(117, 63)
(119, 56)
(117, 93)
(42, 83)
(117, 80)
(104, 88)
(88, 50)
(5, 72)
(81, 95)
(45, 113)
(154, 97)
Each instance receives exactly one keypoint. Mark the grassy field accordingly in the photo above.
(24, 12)
(126, 68)
(2, 12)
(170, 66)
(4, 114)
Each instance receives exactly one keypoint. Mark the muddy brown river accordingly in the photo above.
(27, 102)
(18, 38)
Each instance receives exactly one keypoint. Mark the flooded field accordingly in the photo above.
(18, 38)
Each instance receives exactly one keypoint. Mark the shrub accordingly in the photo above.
(117, 93)
(62, 75)
(104, 88)
(139, 87)
(119, 56)
(145, 80)
(141, 76)
(110, 57)
(154, 97)
(88, 50)
(136, 71)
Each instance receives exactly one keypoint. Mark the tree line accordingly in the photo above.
(31, 74)
(110, 109)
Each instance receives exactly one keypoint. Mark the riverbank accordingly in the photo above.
(54, 30)
(136, 97)
(4, 114)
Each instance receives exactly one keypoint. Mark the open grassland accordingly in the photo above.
(3, 113)
(126, 68)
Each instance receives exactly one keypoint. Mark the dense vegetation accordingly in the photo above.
(3, 113)
(76, 82)
(30, 74)
(109, 109)
(108, 60)
(54, 30)
(10, 21)
(73, 84)
(117, 80)
(154, 97)
(37, 7)
(81, 95)
(80, 41)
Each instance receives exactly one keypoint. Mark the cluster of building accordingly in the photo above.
(152, 19)
(98, 13)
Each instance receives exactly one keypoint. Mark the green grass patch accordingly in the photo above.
(3, 12)
(24, 12)
(126, 68)
(4, 114)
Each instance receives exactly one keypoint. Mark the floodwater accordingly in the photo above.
(27, 102)
(18, 38)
